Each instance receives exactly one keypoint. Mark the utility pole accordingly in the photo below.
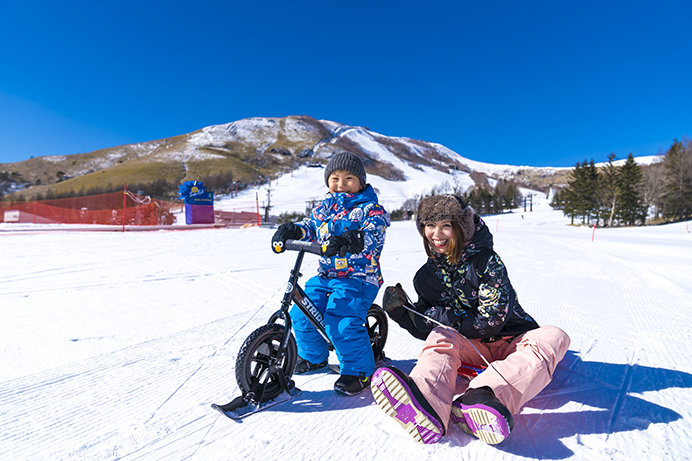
(269, 201)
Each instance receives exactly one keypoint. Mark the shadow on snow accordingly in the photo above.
(604, 389)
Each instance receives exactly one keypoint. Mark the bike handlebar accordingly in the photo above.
(300, 245)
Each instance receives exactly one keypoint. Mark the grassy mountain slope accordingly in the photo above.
(236, 154)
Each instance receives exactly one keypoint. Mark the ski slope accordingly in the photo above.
(114, 345)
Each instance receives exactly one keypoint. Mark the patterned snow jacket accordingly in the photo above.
(474, 296)
(340, 212)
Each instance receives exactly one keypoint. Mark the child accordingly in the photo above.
(346, 285)
(464, 285)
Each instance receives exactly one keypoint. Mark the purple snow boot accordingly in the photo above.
(478, 412)
(400, 398)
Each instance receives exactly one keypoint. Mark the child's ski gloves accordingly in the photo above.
(350, 241)
(285, 232)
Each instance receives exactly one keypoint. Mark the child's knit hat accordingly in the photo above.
(348, 162)
(446, 208)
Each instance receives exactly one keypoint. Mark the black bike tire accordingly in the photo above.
(253, 357)
(378, 330)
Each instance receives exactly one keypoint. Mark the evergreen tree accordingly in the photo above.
(474, 200)
(512, 196)
(631, 208)
(481, 200)
(496, 204)
(608, 188)
(570, 195)
(507, 195)
(558, 202)
(590, 191)
(581, 195)
(678, 181)
(487, 200)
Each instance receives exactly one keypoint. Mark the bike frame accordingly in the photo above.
(295, 294)
(270, 363)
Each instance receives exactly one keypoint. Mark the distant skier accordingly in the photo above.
(464, 286)
(351, 224)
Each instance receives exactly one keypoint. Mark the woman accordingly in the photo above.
(464, 287)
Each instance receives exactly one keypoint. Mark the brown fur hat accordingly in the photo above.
(446, 208)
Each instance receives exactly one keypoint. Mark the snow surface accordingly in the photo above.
(296, 190)
(115, 344)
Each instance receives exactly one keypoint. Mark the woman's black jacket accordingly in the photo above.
(474, 296)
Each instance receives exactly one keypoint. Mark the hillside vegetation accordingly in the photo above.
(231, 157)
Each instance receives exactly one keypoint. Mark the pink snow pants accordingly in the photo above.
(521, 367)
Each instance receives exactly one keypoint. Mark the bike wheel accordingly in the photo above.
(258, 353)
(378, 328)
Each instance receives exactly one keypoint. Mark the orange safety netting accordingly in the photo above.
(119, 208)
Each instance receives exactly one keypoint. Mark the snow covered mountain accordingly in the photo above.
(248, 151)
(253, 151)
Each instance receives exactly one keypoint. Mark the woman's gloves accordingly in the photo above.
(394, 297)
(423, 320)
(393, 302)
(286, 231)
(350, 241)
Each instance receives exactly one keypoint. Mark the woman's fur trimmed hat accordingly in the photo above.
(446, 208)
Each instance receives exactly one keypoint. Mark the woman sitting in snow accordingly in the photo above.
(470, 317)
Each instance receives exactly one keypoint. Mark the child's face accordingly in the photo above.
(440, 235)
(343, 181)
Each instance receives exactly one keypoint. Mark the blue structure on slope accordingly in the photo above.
(199, 203)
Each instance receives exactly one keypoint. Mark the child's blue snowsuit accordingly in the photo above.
(345, 287)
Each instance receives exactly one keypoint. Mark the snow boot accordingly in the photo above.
(478, 412)
(351, 385)
(303, 366)
(400, 398)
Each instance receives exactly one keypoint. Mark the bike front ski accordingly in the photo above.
(241, 407)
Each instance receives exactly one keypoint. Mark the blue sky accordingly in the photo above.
(541, 83)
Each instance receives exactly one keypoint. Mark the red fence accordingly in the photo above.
(237, 218)
(119, 208)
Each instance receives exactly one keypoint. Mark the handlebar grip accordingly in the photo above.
(309, 247)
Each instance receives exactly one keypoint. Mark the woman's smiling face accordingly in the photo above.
(440, 235)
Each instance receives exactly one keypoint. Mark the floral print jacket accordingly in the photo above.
(474, 296)
(336, 214)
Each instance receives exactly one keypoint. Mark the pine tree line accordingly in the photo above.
(630, 194)
(484, 199)
(492, 200)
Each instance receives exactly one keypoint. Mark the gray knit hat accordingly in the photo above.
(348, 162)
(446, 208)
